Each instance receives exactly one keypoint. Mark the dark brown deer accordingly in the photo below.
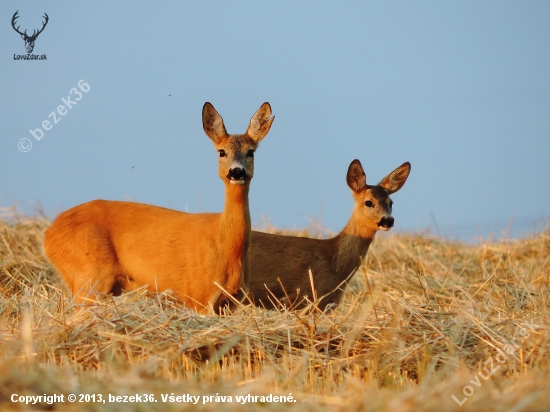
(280, 265)
(29, 40)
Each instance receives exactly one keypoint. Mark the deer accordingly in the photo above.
(29, 40)
(105, 247)
(284, 269)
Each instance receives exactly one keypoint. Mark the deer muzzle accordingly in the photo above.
(237, 176)
(386, 223)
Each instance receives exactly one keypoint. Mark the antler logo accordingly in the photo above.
(29, 40)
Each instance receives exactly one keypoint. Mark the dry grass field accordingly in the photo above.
(423, 320)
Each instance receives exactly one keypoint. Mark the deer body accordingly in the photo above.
(280, 265)
(331, 262)
(110, 246)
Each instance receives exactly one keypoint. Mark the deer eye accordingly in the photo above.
(391, 203)
(250, 153)
(369, 203)
(222, 153)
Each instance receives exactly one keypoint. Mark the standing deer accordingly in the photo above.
(29, 40)
(280, 265)
(110, 246)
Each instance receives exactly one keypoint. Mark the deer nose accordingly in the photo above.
(236, 174)
(386, 222)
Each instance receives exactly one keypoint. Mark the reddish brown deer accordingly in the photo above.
(109, 246)
(280, 265)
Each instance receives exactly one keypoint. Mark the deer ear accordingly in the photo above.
(356, 178)
(212, 123)
(260, 123)
(396, 179)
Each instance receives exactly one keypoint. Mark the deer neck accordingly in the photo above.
(351, 245)
(235, 222)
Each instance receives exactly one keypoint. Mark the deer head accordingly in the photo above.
(236, 164)
(373, 205)
(29, 40)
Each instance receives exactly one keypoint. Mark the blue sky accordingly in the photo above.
(461, 89)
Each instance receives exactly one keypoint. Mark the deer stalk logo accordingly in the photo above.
(29, 40)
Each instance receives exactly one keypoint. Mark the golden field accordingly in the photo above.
(423, 320)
